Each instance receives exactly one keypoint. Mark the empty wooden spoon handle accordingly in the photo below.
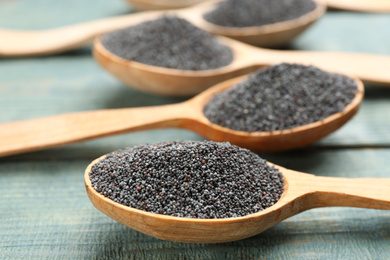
(36, 134)
(377, 6)
(332, 191)
(14, 43)
(368, 67)
(161, 5)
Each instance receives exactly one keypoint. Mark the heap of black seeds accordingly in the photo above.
(169, 42)
(281, 97)
(189, 179)
(243, 13)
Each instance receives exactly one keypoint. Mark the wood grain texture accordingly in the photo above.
(45, 212)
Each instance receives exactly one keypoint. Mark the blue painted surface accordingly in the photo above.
(45, 212)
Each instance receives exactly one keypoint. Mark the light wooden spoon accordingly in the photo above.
(144, 5)
(348, 5)
(172, 82)
(37, 134)
(30, 43)
(302, 191)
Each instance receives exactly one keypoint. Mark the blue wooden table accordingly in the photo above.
(44, 209)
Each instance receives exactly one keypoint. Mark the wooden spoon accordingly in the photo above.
(37, 134)
(302, 191)
(144, 5)
(348, 5)
(172, 82)
(14, 43)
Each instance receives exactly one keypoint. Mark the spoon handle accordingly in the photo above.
(363, 192)
(36, 134)
(370, 68)
(380, 6)
(30, 43)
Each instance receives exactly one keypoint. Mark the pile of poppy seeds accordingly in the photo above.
(169, 42)
(194, 179)
(281, 97)
(244, 13)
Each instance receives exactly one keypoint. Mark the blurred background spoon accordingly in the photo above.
(144, 5)
(173, 82)
(45, 42)
(347, 5)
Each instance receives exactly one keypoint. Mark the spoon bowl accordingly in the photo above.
(273, 35)
(302, 191)
(37, 134)
(74, 36)
(166, 81)
(279, 140)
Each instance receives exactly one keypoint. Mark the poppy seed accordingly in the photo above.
(245, 13)
(236, 182)
(169, 42)
(281, 97)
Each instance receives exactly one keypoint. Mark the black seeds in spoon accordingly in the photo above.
(281, 97)
(189, 179)
(169, 42)
(243, 13)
